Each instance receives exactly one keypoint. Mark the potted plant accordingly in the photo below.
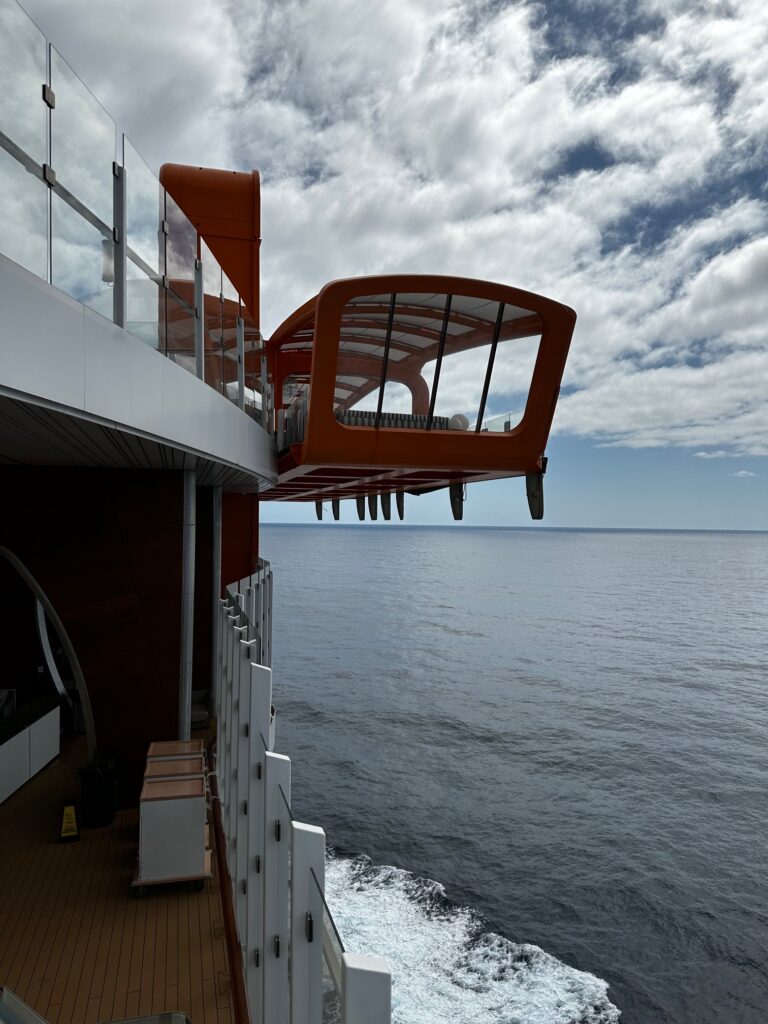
(98, 783)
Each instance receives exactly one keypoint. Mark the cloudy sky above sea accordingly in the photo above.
(609, 154)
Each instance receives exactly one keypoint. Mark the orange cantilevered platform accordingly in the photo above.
(340, 351)
(368, 377)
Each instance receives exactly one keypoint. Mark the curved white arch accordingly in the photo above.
(45, 643)
(69, 650)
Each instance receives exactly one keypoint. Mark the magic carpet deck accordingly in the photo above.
(75, 943)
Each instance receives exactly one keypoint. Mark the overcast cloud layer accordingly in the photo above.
(610, 155)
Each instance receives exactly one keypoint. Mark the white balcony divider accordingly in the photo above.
(307, 859)
(243, 755)
(260, 704)
(276, 864)
(277, 772)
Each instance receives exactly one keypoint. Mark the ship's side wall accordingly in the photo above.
(239, 537)
(106, 547)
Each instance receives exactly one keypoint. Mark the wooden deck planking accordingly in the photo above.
(76, 943)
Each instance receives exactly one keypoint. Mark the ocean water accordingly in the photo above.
(541, 758)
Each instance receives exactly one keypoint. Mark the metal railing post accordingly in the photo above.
(119, 246)
(187, 602)
(307, 856)
(277, 770)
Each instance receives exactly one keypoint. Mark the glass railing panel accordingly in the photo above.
(213, 321)
(23, 216)
(230, 316)
(22, 73)
(252, 366)
(82, 141)
(326, 996)
(82, 258)
(180, 331)
(180, 251)
(287, 837)
(324, 930)
(143, 211)
(144, 306)
(228, 290)
(230, 312)
(212, 278)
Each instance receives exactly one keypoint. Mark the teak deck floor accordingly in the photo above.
(75, 943)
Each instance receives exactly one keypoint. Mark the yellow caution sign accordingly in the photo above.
(69, 832)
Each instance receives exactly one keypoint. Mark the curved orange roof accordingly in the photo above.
(358, 334)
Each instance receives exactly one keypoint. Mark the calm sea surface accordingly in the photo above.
(567, 732)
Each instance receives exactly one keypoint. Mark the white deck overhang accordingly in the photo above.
(76, 390)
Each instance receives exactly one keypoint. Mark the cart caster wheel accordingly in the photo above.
(139, 892)
(198, 885)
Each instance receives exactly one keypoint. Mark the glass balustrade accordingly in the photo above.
(82, 141)
(325, 930)
(23, 70)
(180, 251)
(23, 216)
(213, 320)
(180, 331)
(144, 199)
(67, 194)
(82, 258)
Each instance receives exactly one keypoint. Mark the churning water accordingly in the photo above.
(540, 757)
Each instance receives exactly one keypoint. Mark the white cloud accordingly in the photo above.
(168, 76)
(743, 473)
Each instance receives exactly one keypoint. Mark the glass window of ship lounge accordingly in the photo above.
(431, 360)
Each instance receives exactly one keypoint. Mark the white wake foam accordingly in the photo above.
(445, 967)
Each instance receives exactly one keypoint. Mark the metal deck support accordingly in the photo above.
(216, 600)
(187, 603)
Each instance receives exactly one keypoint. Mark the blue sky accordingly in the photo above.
(610, 154)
